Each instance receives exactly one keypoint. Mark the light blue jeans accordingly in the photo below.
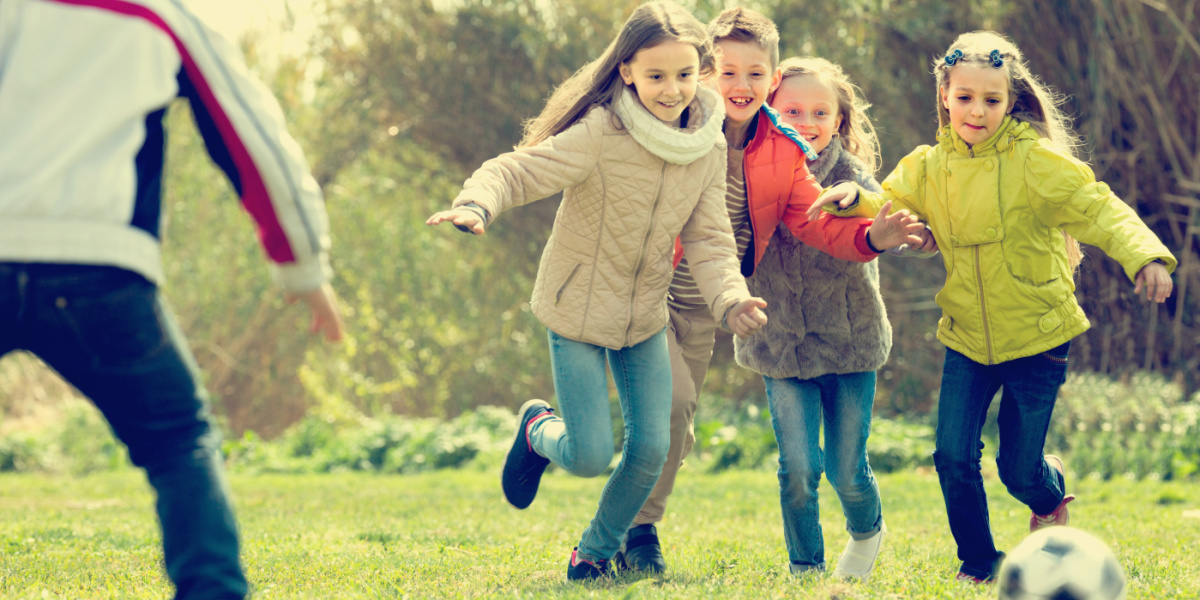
(580, 438)
(797, 406)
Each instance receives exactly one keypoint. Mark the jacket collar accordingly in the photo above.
(706, 115)
(1010, 131)
(768, 118)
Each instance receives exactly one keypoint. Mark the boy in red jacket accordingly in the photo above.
(767, 183)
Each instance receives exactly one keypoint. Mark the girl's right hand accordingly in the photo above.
(845, 194)
(745, 317)
(896, 229)
(463, 218)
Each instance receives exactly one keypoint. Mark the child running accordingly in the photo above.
(767, 183)
(828, 334)
(636, 144)
(1006, 198)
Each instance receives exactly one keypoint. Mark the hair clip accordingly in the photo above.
(997, 61)
(954, 57)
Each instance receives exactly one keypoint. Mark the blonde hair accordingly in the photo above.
(746, 25)
(1030, 100)
(856, 130)
(599, 82)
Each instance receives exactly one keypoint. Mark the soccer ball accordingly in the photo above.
(1061, 563)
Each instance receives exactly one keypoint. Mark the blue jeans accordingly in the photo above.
(106, 331)
(580, 439)
(797, 407)
(1030, 390)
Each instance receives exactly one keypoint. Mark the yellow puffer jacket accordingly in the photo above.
(996, 211)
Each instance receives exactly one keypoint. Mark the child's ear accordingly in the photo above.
(944, 94)
(626, 73)
(776, 79)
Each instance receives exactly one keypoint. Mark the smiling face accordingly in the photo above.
(977, 98)
(745, 77)
(811, 106)
(664, 77)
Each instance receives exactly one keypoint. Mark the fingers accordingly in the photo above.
(746, 317)
(326, 316)
(884, 210)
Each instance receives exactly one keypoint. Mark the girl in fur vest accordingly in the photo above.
(1006, 199)
(827, 336)
(637, 145)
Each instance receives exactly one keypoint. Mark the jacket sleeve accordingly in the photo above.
(840, 238)
(711, 250)
(904, 187)
(244, 131)
(1064, 194)
(535, 172)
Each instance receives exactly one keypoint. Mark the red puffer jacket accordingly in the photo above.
(780, 189)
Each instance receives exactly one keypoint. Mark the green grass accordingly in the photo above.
(449, 534)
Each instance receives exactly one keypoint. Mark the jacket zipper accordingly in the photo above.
(662, 175)
(987, 334)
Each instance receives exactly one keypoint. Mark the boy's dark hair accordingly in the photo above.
(746, 25)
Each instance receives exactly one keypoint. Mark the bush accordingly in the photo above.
(1137, 427)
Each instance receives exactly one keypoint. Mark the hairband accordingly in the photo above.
(995, 56)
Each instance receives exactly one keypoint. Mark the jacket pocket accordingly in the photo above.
(566, 282)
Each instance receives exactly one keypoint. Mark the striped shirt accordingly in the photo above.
(684, 294)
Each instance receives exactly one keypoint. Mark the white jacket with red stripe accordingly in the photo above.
(84, 87)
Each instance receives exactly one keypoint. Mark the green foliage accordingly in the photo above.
(79, 442)
(1137, 428)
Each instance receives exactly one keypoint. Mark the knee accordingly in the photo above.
(591, 464)
(647, 454)
(798, 481)
(954, 465)
(851, 483)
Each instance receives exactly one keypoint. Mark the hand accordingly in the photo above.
(326, 316)
(844, 194)
(928, 244)
(890, 231)
(746, 316)
(461, 218)
(1156, 281)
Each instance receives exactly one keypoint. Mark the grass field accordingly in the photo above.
(449, 534)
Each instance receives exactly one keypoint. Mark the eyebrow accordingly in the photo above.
(963, 88)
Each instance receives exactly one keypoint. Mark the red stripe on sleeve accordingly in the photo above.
(255, 198)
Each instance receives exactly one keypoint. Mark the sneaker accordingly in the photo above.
(582, 570)
(641, 551)
(858, 559)
(523, 467)
(990, 579)
(1059, 515)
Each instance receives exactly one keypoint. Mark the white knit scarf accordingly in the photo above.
(706, 116)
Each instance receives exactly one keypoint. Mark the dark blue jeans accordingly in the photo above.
(107, 331)
(1030, 390)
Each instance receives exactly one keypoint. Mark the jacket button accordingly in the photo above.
(954, 239)
(988, 165)
(991, 232)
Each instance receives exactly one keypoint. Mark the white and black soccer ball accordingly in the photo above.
(1061, 563)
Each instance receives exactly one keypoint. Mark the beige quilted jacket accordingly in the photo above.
(604, 272)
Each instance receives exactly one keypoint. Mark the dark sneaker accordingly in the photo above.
(1059, 515)
(582, 570)
(523, 467)
(990, 579)
(641, 550)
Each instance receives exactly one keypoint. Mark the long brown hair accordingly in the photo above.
(599, 81)
(856, 131)
(1030, 100)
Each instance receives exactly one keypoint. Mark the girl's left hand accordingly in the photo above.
(1156, 281)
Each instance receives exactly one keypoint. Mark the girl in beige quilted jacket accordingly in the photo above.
(637, 146)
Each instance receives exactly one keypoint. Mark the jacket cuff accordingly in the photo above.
(300, 277)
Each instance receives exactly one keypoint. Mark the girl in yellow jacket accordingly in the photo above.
(1006, 198)
(637, 146)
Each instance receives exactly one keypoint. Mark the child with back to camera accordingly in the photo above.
(1006, 199)
(767, 183)
(636, 143)
(827, 336)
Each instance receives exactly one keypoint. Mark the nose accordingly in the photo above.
(977, 109)
(671, 88)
